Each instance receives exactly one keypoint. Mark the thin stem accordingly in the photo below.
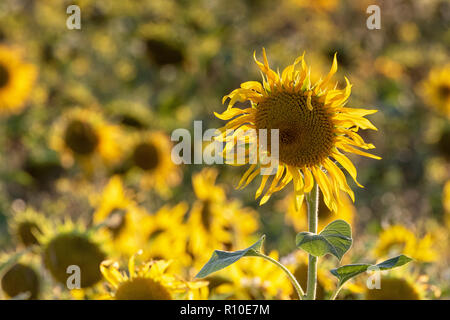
(313, 204)
(333, 297)
(294, 281)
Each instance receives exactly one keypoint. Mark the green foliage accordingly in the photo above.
(349, 271)
(335, 239)
(222, 259)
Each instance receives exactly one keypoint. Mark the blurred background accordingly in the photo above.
(85, 123)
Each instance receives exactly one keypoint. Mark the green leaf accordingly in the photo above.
(222, 259)
(347, 272)
(335, 239)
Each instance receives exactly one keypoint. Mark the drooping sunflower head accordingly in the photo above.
(16, 80)
(436, 90)
(26, 226)
(85, 135)
(314, 128)
(71, 244)
(147, 281)
(151, 155)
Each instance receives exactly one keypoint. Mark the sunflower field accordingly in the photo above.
(111, 188)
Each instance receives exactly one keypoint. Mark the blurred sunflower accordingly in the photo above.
(251, 279)
(399, 240)
(27, 225)
(299, 218)
(314, 127)
(436, 89)
(121, 216)
(149, 281)
(84, 135)
(151, 155)
(393, 288)
(215, 222)
(164, 235)
(16, 80)
(19, 279)
(72, 244)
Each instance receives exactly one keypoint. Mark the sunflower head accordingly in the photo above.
(73, 245)
(393, 289)
(435, 89)
(21, 279)
(85, 135)
(151, 156)
(16, 80)
(313, 127)
(146, 156)
(26, 226)
(398, 239)
(147, 281)
(80, 137)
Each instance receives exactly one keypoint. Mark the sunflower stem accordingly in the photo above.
(313, 205)
(291, 277)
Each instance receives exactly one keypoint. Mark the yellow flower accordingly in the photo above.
(436, 89)
(121, 216)
(299, 218)
(21, 279)
(215, 222)
(314, 127)
(151, 155)
(320, 5)
(165, 235)
(71, 244)
(16, 80)
(27, 225)
(394, 289)
(84, 135)
(148, 281)
(19, 276)
(399, 240)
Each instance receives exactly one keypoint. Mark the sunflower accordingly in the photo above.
(72, 244)
(165, 235)
(121, 216)
(393, 288)
(400, 240)
(84, 135)
(151, 156)
(16, 80)
(436, 89)
(299, 218)
(19, 276)
(148, 281)
(27, 225)
(214, 221)
(314, 127)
